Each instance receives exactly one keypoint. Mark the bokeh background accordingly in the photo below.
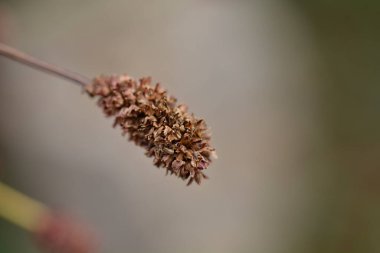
(291, 92)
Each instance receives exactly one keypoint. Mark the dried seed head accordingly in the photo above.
(176, 139)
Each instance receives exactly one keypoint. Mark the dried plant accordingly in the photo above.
(151, 118)
(175, 138)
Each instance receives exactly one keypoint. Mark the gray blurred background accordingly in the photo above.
(290, 90)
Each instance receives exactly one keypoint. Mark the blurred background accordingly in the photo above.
(290, 90)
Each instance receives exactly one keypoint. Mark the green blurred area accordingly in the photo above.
(348, 42)
(14, 239)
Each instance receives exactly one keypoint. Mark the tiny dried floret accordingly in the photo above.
(151, 118)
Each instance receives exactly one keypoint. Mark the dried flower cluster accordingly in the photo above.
(176, 139)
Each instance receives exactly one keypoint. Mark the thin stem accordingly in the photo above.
(23, 58)
(19, 208)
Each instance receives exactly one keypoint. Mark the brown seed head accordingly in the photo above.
(175, 139)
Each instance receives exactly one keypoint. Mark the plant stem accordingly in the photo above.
(19, 208)
(23, 58)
